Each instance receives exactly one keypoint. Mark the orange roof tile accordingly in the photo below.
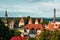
(50, 26)
(35, 26)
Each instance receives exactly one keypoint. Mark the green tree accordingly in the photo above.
(44, 35)
(32, 38)
(44, 23)
(53, 35)
(4, 32)
(58, 34)
(21, 26)
(14, 32)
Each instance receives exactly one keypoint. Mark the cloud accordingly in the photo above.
(38, 7)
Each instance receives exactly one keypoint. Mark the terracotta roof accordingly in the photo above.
(35, 26)
(50, 26)
(21, 20)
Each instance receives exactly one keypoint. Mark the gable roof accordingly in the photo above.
(21, 20)
(50, 26)
(35, 26)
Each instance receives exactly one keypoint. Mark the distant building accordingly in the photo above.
(41, 20)
(36, 26)
(12, 23)
(21, 22)
(54, 19)
(30, 21)
(6, 19)
(36, 21)
(53, 25)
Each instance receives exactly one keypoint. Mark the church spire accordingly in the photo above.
(6, 18)
(6, 15)
(54, 15)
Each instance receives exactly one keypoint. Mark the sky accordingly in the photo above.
(33, 8)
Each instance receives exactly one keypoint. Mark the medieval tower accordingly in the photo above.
(6, 19)
(54, 20)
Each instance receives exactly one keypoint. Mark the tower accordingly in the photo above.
(36, 21)
(30, 21)
(54, 20)
(21, 22)
(41, 20)
(12, 23)
(6, 15)
(6, 19)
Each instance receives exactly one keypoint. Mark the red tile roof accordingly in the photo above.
(50, 26)
(35, 26)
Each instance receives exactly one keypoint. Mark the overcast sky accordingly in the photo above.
(33, 8)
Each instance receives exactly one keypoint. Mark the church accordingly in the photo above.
(54, 25)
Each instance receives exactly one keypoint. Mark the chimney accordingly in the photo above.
(30, 21)
(36, 21)
(54, 15)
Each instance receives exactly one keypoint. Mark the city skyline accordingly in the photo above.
(33, 8)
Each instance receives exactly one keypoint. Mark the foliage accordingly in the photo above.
(21, 26)
(50, 35)
(44, 35)
(32, 38)
(14, 32)
(44, 22)
(4, 32)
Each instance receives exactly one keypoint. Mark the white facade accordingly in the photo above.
(36, 22)
(38, 32)
(21, 24)
(30, 21)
